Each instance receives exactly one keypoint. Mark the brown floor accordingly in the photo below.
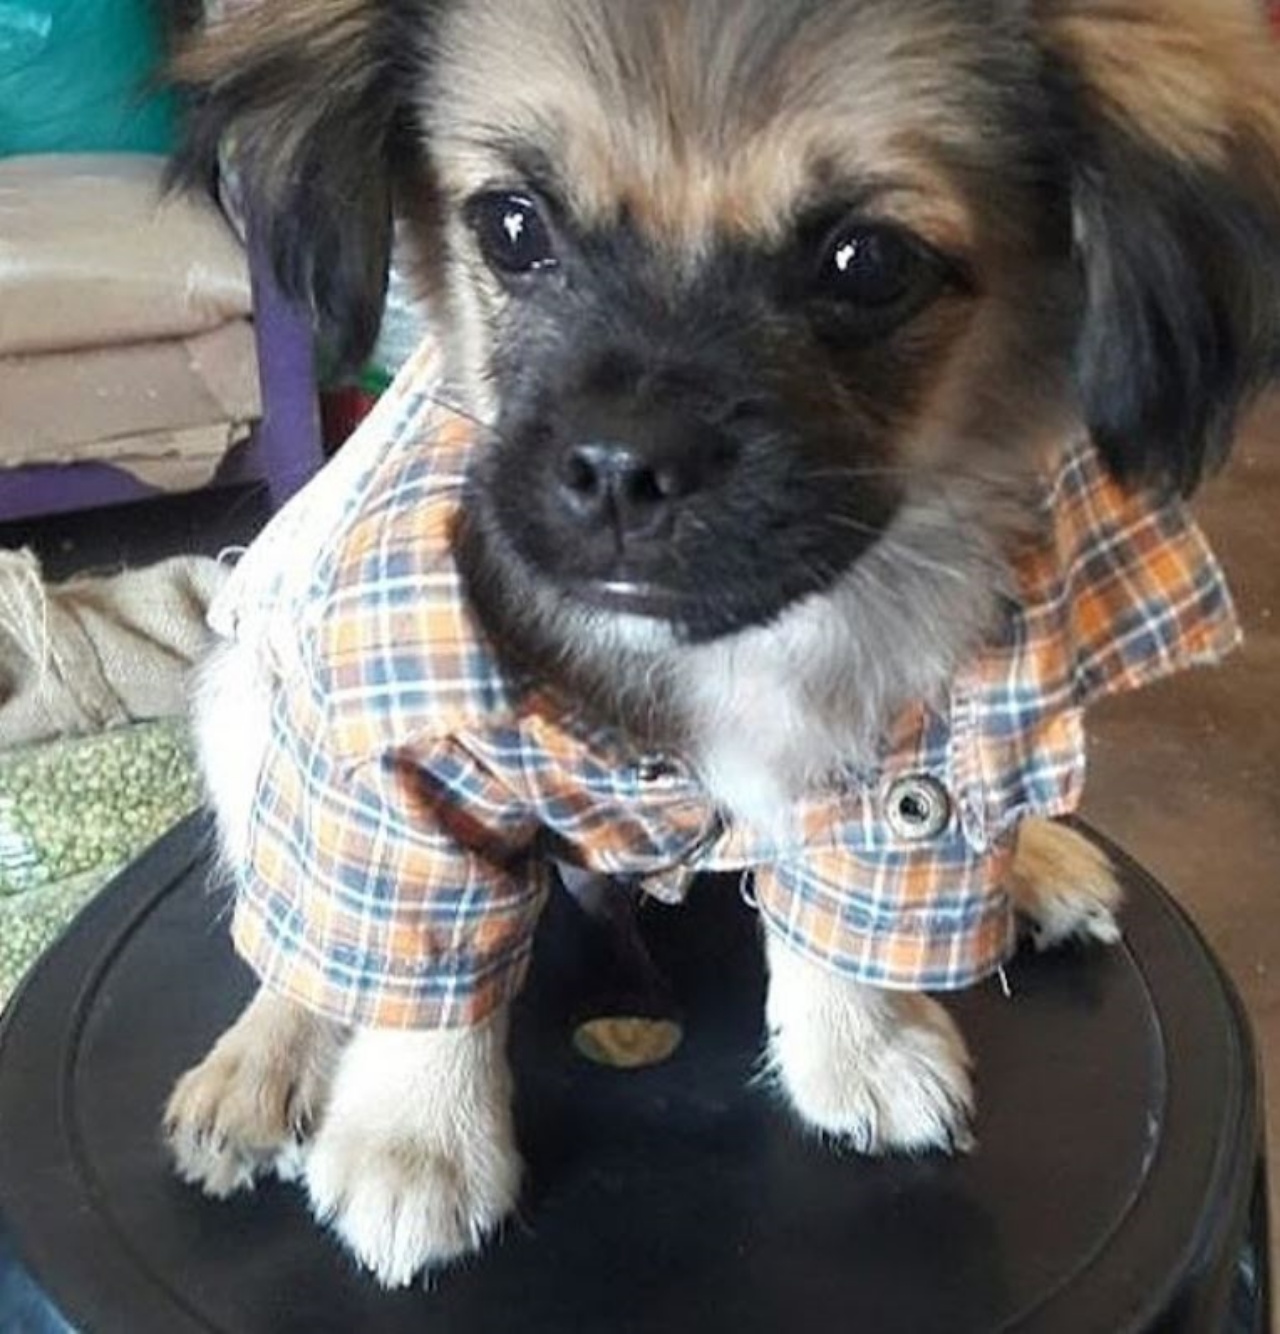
(1186, 775)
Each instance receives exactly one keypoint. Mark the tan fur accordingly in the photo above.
(1064, 885)
(259, 1093)
(312, 40)
(1194, 77)
(663, 126)
(415, 1163)
(880, 1071)
(404, 1141)
(321, 28)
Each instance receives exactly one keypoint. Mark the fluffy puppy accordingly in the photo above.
(770, 310)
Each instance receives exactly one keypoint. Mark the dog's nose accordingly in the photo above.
(615, 483)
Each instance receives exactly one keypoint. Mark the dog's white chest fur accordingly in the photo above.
(761, 740)
(773, 714)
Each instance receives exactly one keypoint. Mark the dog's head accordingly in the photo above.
(738, 284)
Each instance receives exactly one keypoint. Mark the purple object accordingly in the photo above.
(284, 450)
(287, 440)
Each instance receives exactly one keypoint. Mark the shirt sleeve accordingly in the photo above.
(400, 893)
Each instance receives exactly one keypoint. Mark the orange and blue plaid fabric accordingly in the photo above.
(412, 797)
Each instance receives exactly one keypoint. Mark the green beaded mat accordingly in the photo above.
(72, 813)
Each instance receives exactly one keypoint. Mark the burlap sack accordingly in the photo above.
(94, 653)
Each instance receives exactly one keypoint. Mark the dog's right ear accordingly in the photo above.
(1171, 118)
(312, 97)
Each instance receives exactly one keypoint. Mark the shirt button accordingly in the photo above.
(917, 808)
(655, 768)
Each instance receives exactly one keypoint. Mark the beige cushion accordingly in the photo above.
(92, 252)
(167, 410)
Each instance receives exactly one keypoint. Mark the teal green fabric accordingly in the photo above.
(72, 814)
(74, 78)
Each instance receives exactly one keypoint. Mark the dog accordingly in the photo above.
(767, 314)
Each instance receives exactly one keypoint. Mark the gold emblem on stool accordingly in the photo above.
(627, 1042)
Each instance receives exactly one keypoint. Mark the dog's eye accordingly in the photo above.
(870, 265)
(513, 236)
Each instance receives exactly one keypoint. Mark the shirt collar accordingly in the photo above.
(1113, 590)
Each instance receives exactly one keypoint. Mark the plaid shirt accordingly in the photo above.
(399, 847)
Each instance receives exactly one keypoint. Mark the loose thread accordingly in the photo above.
(746, 890)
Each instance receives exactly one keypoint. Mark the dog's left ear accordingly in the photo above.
(317, 97)
(1172, 138)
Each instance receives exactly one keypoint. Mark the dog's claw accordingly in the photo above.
(232, 1117)
(1064, 887)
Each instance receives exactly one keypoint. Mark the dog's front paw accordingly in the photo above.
(254, 1097)
(879, 1071)
(404, 1206)
(1063, 886)
(906, 1089)
(416, 1162)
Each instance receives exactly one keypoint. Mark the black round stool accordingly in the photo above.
(1117, 1185)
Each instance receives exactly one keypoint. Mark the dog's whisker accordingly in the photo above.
(848, 523)
(462, 411)
(856, 473)
(906, 554)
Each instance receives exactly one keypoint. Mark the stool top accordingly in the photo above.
(1118, 1133)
